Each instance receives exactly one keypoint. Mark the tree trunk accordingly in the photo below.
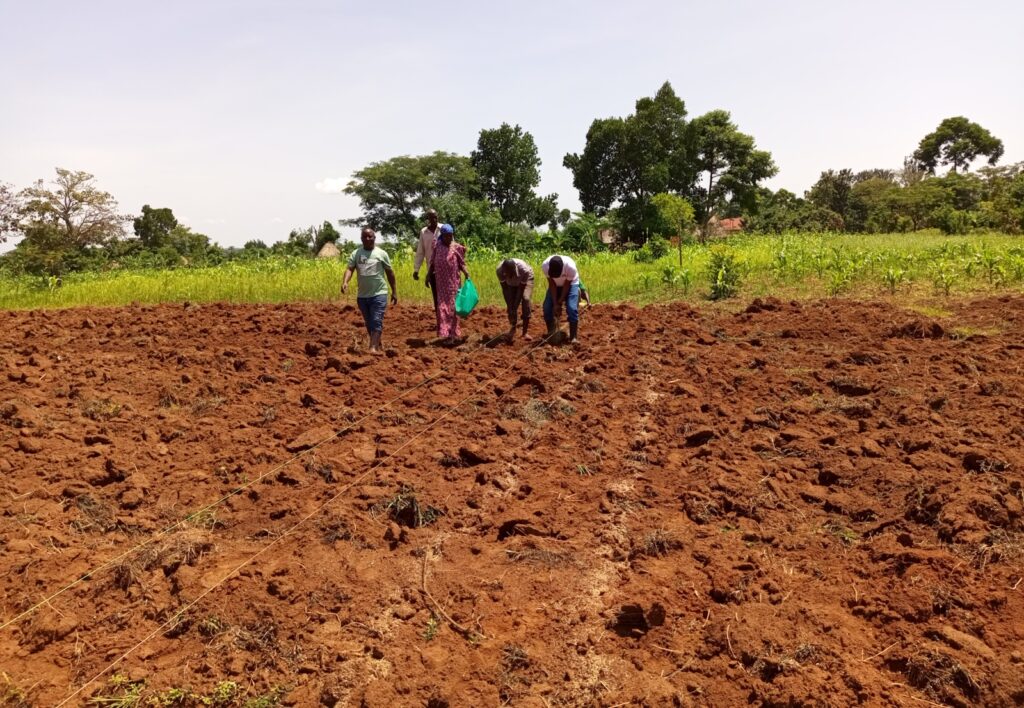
(707, 208)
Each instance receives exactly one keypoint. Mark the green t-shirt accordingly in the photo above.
(370, 267)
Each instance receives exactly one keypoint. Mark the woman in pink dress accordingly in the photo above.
(447, 261)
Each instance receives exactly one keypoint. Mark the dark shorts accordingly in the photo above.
(373, 309)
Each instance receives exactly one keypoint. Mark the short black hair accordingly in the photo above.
(555, 266)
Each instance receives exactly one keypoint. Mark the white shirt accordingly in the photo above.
(569, 272)
(425, 247)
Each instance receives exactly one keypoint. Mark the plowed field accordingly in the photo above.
(812, 503)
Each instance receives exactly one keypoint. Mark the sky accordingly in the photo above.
(247, 117)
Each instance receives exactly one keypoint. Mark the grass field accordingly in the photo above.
(796, 266)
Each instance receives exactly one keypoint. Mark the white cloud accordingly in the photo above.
(215, 221)
(277, 220)
(331, 185)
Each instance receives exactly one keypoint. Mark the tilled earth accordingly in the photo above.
(812, 503)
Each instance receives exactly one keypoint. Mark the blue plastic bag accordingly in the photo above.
(466, 299)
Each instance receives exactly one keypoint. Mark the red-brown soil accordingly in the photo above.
(799, 504)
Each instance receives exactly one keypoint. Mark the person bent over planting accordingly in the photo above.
(446, 263)
(372, 264)
(516, 278)
(563, 291)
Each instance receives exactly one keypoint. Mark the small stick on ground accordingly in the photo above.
(684, 667)
(728, 640)
(931, 703)
(438, 610)
(875, 656)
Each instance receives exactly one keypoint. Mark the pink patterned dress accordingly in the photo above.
(447, 262)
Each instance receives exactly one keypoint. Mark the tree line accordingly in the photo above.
(69, 224)
(644, 176)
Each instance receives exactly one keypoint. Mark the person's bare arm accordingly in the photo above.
(554, 295)
(348, 276)
(394, 285)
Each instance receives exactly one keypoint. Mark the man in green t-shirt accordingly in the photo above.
(372, 264)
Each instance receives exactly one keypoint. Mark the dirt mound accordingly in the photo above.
(799, 503)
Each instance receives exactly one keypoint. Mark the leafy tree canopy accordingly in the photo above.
(507, 164)
(626, 161)
(62, 219)
(957, 142)
(394, 192)
(727, 164)
(8, 211)
(154, 226)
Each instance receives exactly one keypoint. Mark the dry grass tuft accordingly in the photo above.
(406, 510)
(531, 554)
(656, 544)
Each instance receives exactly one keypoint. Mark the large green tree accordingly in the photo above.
(957, 142)
(626, 161)
(727, 164)
(154, 226)
(508, 166)
(394, 192)
(62, 219)
(782, 211)
(832, 191)
(871, 207)
(1002, 206)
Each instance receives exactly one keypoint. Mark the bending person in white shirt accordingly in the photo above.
(563, 291)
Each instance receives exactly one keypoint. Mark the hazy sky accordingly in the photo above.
(232, 113)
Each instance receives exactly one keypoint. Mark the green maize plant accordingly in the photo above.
(724, 274)
(894, 277)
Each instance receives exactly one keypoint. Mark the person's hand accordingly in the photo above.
(344, 287)
(415, 275)
(394, 299)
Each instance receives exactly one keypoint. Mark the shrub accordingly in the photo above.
(724, 274)
(655, 248)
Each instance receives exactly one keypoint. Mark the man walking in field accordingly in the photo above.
(563, 290)
(516, 278)
(373, 265)
(425, 250)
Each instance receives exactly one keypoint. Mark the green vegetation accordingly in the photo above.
(794, 265)
(123, 692)
(645, 179)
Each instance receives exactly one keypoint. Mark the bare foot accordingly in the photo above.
(527, 337)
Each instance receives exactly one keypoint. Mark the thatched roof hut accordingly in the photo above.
(329, 251)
